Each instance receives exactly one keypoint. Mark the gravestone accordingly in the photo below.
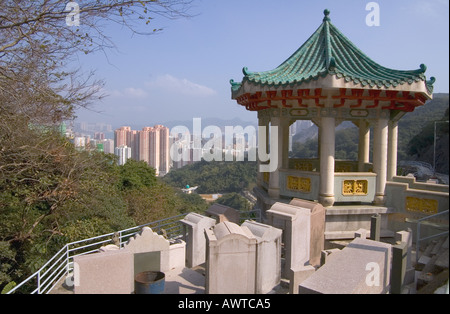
(303, 232)
(151, 251)
(406, 236)
(317, 228)
(362, 267)
(223, 213)
(230, 259)
(194, 231)
(109, 272)
(268, 255)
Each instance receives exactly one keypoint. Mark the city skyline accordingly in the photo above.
(184, 71)
(151, 145)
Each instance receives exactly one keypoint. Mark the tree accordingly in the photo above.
(136, 174)
(50, 192)
(37, 45)
(215, 177)
(236, 201)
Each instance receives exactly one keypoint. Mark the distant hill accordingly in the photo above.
(416, 122)
(416, 136)
(421, 146)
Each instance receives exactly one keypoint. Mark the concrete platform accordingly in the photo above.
(184, 281)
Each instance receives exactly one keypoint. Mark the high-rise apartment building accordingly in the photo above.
(150, 145)
(144, 144)
(133, 143)
(121, 136)
(155, 149)
(164, 159)
(123, 153)
(99, 136)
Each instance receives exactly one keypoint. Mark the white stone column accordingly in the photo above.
(274, 182)
(327, 159)
(364, 144)
(263, 123)
(285, 145)
(380, 154)
(392, 150)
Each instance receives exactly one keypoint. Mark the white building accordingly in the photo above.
(124, 153)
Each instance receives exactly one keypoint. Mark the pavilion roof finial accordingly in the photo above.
(326, 13)
(328, 52)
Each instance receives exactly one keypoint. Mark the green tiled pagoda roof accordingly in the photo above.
(329, 52)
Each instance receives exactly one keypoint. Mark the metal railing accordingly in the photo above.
(61, 264)
(424, 220)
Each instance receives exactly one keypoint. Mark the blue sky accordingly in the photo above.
(184, 71)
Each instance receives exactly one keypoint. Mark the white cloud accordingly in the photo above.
(172, 84)
(429, 8)
(135, 92)
(129, 92)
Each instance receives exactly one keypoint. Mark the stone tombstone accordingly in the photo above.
(230, 259)
(303, 233)
(151, 251)
(406, 236)
(223, 213)
(194, 230)
(317, 228)
(362, 267)
(268, 255)
(177, 254)
(108, 272)
(298, 275)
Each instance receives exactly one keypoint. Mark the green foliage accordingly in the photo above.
(136, 175)
(7, 262)
(346, 146)
(192, 203)
(74, 195)
(236, 201)
(215, 177)
(308, 149)
(8, 287)
(421, 121)
(51, 193)
(421, 146)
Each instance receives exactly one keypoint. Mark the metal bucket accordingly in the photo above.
(149, 282)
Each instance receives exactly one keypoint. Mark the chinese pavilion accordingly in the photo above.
(328, 80)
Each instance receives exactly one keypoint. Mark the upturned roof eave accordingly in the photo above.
(328, 82)
(329, 53)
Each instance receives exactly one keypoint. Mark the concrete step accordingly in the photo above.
(445, 244)
(429, 248)
(438, 281)
(433, 265)
(438, 246)
(422, 262)
(442, 260)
